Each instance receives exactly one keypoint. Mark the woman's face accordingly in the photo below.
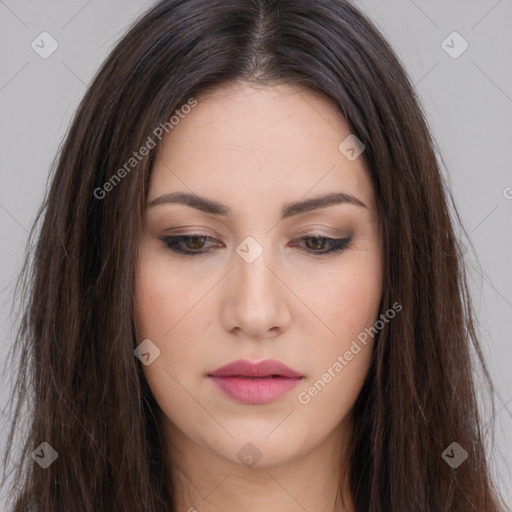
(258, 283)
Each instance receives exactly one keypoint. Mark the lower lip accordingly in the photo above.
(255, 391)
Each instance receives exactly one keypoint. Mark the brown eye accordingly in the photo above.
(196, 242)
(187, 244)
(324, 245)
(315, 243)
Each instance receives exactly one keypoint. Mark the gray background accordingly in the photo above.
(468, 101)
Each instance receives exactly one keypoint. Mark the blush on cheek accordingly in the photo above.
(158, 305)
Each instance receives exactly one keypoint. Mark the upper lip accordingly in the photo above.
(245, 368)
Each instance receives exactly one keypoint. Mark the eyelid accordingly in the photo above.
(326, 227)
(321, 234)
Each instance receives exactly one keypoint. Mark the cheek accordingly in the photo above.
(347, 299)
(170, 310)
(348, 304)
(165, 296)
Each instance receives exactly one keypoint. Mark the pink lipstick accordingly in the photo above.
(255, 383)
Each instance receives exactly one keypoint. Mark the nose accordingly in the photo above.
(256, 301)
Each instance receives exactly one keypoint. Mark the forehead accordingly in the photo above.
(274, 140)
(242, 117)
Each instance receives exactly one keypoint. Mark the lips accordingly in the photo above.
(266, 368)
(255, 383)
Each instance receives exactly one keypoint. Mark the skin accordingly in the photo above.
(255, 149)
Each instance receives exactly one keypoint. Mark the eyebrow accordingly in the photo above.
(290, 209)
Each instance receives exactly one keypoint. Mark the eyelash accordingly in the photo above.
(173, 243)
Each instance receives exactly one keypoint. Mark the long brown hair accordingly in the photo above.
(77, 374)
